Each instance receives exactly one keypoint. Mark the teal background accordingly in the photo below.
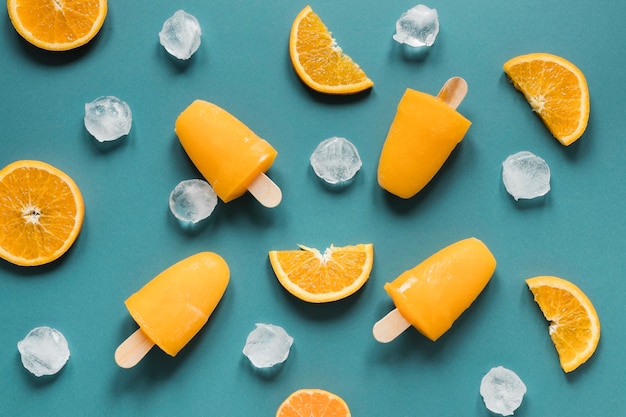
(243, 65)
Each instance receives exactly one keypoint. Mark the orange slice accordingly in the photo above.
(311, 402)
(57, 25)
(41, 213)
(574, 324)
(555, 89)
(319, 278)
(319, 61)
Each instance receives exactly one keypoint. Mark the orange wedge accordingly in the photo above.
(574, 324)
(319, 278)
(556, 90)
(313, 403)
(57, 25)
(41, 213)
(319, 61)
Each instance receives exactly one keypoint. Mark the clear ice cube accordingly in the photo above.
(108, 118)
(417, 26)
(180, 35)
(335, 160)
(502, 391)
(192, 200)
(525, 175)
(267, 345)
(44, 351)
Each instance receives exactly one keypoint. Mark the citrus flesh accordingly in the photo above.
(556, 90)
(311, 402)
(323, 277)
(319, 61)
(57, 25)
(574, 323)
(41, 213)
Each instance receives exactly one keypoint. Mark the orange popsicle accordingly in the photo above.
(422, 136)
(173, 306)
(227, 153)
(432, 295)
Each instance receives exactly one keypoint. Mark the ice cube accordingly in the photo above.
(417, 26)
(335, 160)
(44, 351)
(502, 391)
(108, 118)
(180, 35)
(525, 175)
(267, 345)
(192, 200)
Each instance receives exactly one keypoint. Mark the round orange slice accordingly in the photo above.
(41, 213)
(556, 90)
(574, 323)
(310, 402)
(323, 277)
(319, 61)
(57, 25)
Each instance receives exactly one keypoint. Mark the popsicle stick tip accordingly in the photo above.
(389, 327)
(453, 92)
(133, 349)
(265, 191)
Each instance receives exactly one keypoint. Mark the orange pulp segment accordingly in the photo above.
(311, 402)
(57, 25)
(41, 213)
(555, 89)
(318, 278)
(319, 61)
(574, 323)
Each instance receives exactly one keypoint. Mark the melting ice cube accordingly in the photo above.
(108, 118)
(44, 351)
(335, 160)
(525, 175)
(192, 200)
(180, 35)
(417, 26)
(502, 391)
(267, 345)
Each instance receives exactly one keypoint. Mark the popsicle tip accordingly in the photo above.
(133, 349)
(453, 91)
(265, 191)
(389, 327)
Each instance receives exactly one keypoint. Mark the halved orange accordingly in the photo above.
(319, 61)
(319, 278)
(311, 402)
(574, 323)
(57, 25)
(41, 213)
(555, 89)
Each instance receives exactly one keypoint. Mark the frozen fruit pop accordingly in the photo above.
(227, 153)
(432, 295)
(423, 134)
(173, 306)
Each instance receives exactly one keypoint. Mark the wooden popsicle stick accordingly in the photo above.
(453, 92)
(133, 349)
(390, 326)
(265, 191)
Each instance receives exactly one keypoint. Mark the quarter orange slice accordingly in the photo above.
(555, 89)
(319, 278)
(574, 324)
(41, 213)
(311, 402)
(319, 61)
(57, 25)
